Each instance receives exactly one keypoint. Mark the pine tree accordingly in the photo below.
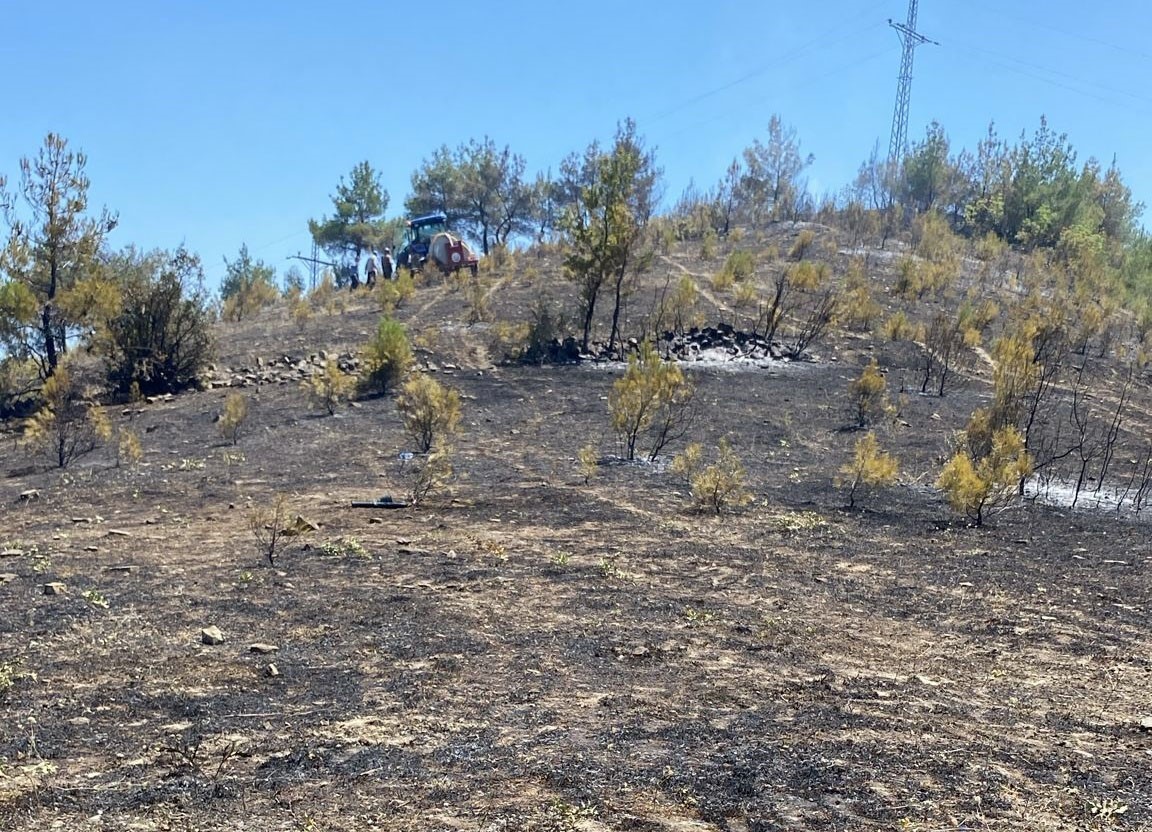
(53, 288)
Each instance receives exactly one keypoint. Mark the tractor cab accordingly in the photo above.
(418, 233)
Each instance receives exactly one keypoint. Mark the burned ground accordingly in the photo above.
(530, 651)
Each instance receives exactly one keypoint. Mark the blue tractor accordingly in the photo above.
(418, 234)
(427, 238)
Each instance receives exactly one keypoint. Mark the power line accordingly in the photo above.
(820, 40)
(808, 82)
(1035, 23)
(1013, 64)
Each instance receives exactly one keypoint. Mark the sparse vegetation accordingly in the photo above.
(430, 411)
(652, 399)
(868, 397)
(588, 460)
(129, 451)
(722, 484)
(870, 467)
(272, 527)
(407, 644)
(157, 340)
(232, 418)
(65, 428)
(248, 286)
(432, 474)
(330, 386)
(976, 485)
(387, 357)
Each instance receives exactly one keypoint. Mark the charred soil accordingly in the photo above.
(530, 651)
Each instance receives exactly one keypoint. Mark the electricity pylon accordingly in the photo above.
(911, 39)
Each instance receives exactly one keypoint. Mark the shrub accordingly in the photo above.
(248, 300)
(989, 247)
(740, 265)
(860, 307)
(934, 239)
(721, 484)
(745, 297)
(248, 286)
(688, 462)
(434, 474)
(870, 467)
(910, 283)
(300, 311)
(808, 276)
(653, 397)
(64, 428)
(387, 357)
(867, 394)
(324, 295)
(547, 329)
(392, 293)
(681, 310)
(589, 461)
(18, 382)
(708, 245)
(330, 386)
(160, 337)
(232, 417)
(802, 244)
(977, 485)
(271, 525)
(477, 295)
(128, 450)
(899, 328)
(722, 281)
(430, 410)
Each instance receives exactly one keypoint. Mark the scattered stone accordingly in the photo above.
(54, 588)
(211, 635)
(30, 494)
(119, 533)
(7, 577)
(272, 670)
(79, 721)
(81, 519)
(12, 553)
(262, 648)
(122, 569)
(176, 727)
(1146, 723)
(91, 548)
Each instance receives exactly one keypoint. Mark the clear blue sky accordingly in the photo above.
(214, 124)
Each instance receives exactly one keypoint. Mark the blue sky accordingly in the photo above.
(215, 124)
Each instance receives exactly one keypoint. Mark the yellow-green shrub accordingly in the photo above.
(870, 467)
(430, 410)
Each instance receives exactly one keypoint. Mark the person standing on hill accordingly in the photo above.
(387, 266)
(371, 269)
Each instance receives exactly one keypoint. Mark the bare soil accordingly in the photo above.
(527, 651)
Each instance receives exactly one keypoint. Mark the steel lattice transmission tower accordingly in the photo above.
(911, 39)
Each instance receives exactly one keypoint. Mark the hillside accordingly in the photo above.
(531, 650)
